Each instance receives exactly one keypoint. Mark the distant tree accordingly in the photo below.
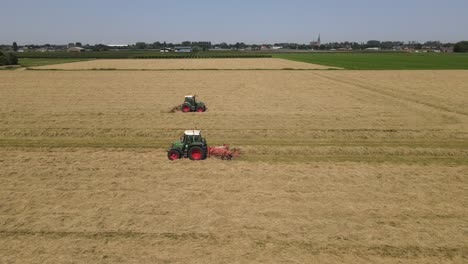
(157, 45)
(186, 43)
(12, 59)
(204, 45)
(414, 45)
(461, 46)
(8, 58)
(373, 43)
(15, 46)
(140, 45)
(435, 43)
(100, 47)
(224, 45)
(3, 59)
(387, 45)
(78, 44)
(446, 45)
(355, 46)
(241, 45)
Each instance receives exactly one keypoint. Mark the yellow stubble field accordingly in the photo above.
(337, 166)
(187, 64)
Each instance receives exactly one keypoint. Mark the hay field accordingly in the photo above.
(337, 167)
(279, 108)
(189, 64)
(126, 205)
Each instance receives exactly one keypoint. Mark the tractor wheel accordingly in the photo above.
(196, 153)
(185, 108)
(200, 109)
(173, 154)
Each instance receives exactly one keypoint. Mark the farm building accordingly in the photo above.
(75, 49)
(183, 49)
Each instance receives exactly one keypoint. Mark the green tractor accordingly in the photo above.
(191, 145)
(192, 105)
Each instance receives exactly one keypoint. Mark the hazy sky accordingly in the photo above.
(255, 21)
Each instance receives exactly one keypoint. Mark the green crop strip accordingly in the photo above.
(382, 61)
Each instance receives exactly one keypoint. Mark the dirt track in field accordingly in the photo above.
(337, 166)
(188, 64)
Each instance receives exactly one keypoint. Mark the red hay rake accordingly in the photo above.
(223, 152)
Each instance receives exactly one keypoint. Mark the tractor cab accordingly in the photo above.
(190, 99)
(192, 136)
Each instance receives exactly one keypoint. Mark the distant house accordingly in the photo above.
(117, 45)
(183, 49)
(75, 49)
(219, 49)
(446, 49)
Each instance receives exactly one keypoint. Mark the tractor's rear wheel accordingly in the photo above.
(185, 108)
(173, 154)
(196, 153)
(200, 109)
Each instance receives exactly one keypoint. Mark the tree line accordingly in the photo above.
(8, 58)
(208, 45)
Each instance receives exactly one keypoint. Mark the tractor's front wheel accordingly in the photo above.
(200, 109)
(173, 154)
(196, 153)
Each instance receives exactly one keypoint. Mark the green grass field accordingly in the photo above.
(382, 61)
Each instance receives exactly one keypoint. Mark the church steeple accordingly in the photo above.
(316, 43)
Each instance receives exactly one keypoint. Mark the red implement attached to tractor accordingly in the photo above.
(223, 152)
